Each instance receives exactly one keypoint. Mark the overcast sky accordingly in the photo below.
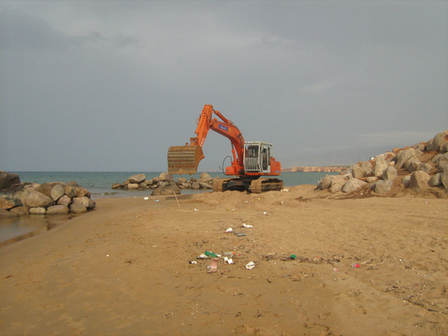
(111, 85)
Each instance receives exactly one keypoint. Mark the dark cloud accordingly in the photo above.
(116, 83)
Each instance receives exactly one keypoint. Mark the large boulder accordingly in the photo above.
(357, 172)
(352, 185)
(38, 211)
(205, 177)
(381, 186)
(166, 177)
(45, 188)
(35, 199)
(390, 173)
(138, 178)
(84, 201)
(435, 180)
(419, 181)
(444, 178)
(404, 156)
(69, 191)
(324, 183)
(8, 179)
(8, 202)
(57, 192)
(380, 166)
(77, 208)
(57, 210)
(438, 142)
(166, 190)
(64, 200)
(81, 192)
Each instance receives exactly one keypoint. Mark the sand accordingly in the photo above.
(363, 266)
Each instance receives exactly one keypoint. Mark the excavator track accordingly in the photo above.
(261, 185)
(255, 186)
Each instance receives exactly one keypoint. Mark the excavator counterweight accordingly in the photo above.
(184, 159)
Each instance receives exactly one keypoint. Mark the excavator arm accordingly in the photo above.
(185, 159)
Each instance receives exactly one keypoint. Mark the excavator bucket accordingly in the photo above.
(184, 159)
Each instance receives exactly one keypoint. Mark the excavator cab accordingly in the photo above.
(257, 157)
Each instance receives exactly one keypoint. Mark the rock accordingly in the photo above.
(371, 179)
(77, 208)
(406, 180)
(435, 180)
(195, 185)
(36, 199)
(382, 186)
(166, 177)
(57, 210)
(7, 180)
(324, 183)
(335, 187)
(163, 183)
(69, 191)
(182, 180)
(438, 142)
(380, 166)
(412, 164)
(72, 184)
(357, 172)
(20, 211)
(45, 188)
(367, 168)
(57, 192)
(38, 211)
(444, 178)
(138, 178)
(404, 156)
(426, 167)
(7, 214)
(419, 181)
(117, 186)
(166, 190)
(390, 174)
(83, 201)
(132, 186)
(443, 148)
(64, 200)
(205, 185)
(205, 177)
(7, 202)
(352, 184)
(81, 192)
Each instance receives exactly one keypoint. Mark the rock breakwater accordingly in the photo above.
(421, 169)
(53, 198)
(165, 184)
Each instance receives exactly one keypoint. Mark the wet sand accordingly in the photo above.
(365, 266)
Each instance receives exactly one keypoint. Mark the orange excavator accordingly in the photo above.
(251, 159)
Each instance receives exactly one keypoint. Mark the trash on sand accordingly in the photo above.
(196, 209)
(228, 260)
(193, 262)
(241, 234)
(229, 253)
(210, 254)
(214, 265)
(202, 256)
(285, 190)
(356, 265)
(265, 213)
(250, 265)
(229, 230)
(247, 225)
(293, 256)
(156, 201)
(145, 198)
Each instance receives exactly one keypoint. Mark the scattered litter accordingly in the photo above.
(193, 262)
(228, 260)
(145, 198)
(241, 234)
(356, 265)
(196, 209)
(293, 256)
(285, 190)
(213, 266)
(229, 230)
(229, 254)
(202, 256)
(247, 225)
(335, 269)
(156, 201)
(107, 255)
(210, 254)
(265, 213)
(250, 265)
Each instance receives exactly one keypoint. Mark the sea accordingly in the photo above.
(100, 186)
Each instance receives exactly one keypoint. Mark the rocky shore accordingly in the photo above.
(53, 198)
(419, 169)
(165, 184)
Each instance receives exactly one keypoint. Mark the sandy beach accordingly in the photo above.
(362, 266)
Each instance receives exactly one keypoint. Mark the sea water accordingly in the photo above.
(100, 186)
